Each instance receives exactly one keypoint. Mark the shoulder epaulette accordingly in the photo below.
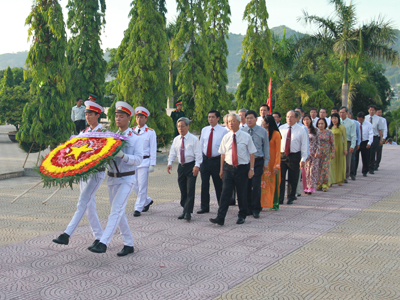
(174, 110)
(150, 128)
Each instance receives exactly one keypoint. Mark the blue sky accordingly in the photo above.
(13, 34)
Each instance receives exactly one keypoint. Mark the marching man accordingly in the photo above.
(87, 202)
(149, 139)
(121, 181)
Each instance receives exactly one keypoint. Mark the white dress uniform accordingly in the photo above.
(120, 188)
(87, 202)
(149, 138)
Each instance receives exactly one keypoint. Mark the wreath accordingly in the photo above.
(80, 157)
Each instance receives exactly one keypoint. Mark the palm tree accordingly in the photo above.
(340, 33)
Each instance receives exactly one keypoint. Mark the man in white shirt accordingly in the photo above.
(210, 140)
(314, 116)
(237, 166)
(366, 137)
(264, 110)
(277, 117)
(149, 138)
(377, 128)
(186, 147)
(293, 155)
(323, 114)
(384, 133)
(78, 115)
(242, 113)
(301, 112)
(351, 138)
(299, 186)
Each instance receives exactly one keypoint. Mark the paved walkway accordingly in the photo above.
(337, 245)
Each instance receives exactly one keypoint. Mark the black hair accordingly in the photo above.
(312, 128)
(361, 115)
(79, 98)
(271, 125)
(216, 112)
(323, 109)
(373, 106)
(322, 119)
(277, 113)
(314, 108)
(251, 112)
(335, 108)
(301, 109)
(265, 106)
(338, 117)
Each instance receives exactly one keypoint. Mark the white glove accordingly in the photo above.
(151, 169)
(120, 154)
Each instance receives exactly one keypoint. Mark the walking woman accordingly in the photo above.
(337, 172)
(310, 171)
(270, 180)
(326, 154)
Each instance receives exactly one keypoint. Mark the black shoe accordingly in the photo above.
(203, 211)
(99, 248)
(181, 216)
(256, 214)
(249, 213)
(376, 168)
(136, 213)
(290, 202)
(63, 239)
(217, 221)
(94, 244)
(345, 181)
(126, 250)
(353, 177)
(371, 172)
(365, 175)
(240, 220)
(146, 208)
(187, 217)
(298, 195)
(295, 198)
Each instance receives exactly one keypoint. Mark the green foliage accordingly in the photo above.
(12, 102)
(286, 99)
(85, 56)
(8, 80)
(318, 99)
(45, 121)
(256, 58)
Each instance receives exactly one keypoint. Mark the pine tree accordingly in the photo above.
(142, 78)
(46, 119)
(8, 80)
(190, 46)
(85, 56)
(217, 29)
(256, 58)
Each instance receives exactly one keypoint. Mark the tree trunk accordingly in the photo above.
(345, 94)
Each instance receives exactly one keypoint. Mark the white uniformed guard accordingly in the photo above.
(87, 202)
(149, 139)
(121, 181)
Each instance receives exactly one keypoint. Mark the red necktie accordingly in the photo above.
(183, 151)
(234, 152)
(209, 146)
(361, 132)
(288, 139)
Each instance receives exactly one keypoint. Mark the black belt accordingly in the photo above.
(185, 164)
(147, 156)
(376, 135)
(259, 158)
(212, 157)
(118, 175)
(232, 166)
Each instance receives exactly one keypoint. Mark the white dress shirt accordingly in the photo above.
(328, 121)
(298, 140)
(98, 128)
(244, 146)
(384, 127)
(367, 132)
(149, 139)
(218, 134)
(192, 150)
(259, 121)
(314, 121)
(78, 113)
(376, 122)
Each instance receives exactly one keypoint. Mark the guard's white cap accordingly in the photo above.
(122, 106)
(140, 110)
(93, 106)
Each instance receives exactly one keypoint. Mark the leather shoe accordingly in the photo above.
(146, 208)
(365, 175)
(353, 177)
(371, 172)
(94, 244)
(256, 214)
(136, 213)
(181, 216)
(187, 217)
(63, 239)
(203, 211)
(240, 220)
(126, 250)
(346, 181)
(99, 248)
(298, 195)
(290, 202)
(217, 221)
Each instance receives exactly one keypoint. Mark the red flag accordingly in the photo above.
(270, 93)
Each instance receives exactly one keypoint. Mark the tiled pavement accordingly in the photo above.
(303, 251)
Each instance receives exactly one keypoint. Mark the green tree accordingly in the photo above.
(86, 18)
(190, 46)
(256, 58)
(217, 30)
(12, 102)
(8, 80)
(319, 99)
(286, 99)
(46, 119)
(372, 40)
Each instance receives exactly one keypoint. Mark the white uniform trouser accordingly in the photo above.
(119, 194)
(87, 203)
(299, 185)
(142, 180)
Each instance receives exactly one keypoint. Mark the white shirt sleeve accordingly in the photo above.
(136, 158)
(153, 148)
(198, 154)
(172, 151)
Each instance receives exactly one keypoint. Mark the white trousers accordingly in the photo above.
(142, 181)
(87, 203)
(119, 194)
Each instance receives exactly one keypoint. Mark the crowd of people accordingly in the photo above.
(253, 159)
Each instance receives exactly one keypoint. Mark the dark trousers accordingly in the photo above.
(365, 157)
(80, 125)
(254, 187)
(354, 163)
(348, 160)
(291, 165)
(187, 185)
(378, 156)
(210, 168)
(373, 150)
(234, 177)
